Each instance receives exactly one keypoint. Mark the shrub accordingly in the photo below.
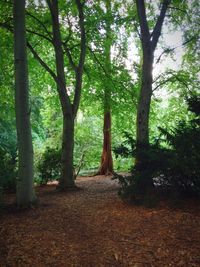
(8, 170)
(49, 167)
(182, 163)
(173, 165)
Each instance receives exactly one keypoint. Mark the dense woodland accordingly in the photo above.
(99, 87)
(99, 133)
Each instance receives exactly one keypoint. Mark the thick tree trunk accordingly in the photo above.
(106, 167)
(142, 135)
(145, 183)
(67, 175)
(149, 43)
(25, 191)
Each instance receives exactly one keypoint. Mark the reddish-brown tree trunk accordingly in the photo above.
(106, 166)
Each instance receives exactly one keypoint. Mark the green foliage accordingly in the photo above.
(49, 166)
(127, 148)
(168, 155)
(182, 161)
(87, 148)
(7, 170)
(172, 161)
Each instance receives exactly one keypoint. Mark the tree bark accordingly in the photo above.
(142, 134)
(25, 191)
(106, 166)
(67, 171)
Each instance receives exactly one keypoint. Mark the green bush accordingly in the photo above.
(172, 161)
(7, 170)
(182, 162)
(49, 167)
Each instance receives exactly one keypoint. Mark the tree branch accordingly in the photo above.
(145, 34)
(40, 35)
(157, 29)
(40, 23)
(42, 63)
(168, 50)
(67, 52)
(6, 26)
(79, 71)
(171, 79)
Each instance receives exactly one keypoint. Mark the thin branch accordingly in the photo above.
(40, 23)
(40, 35)
(33, 51)
(6, 26)
(98, 61)
(70, 30)
(181, 81)
(179, 9)
(170, 79)
(42, 63)
(68, 53)
(169, 50)
(162, 83)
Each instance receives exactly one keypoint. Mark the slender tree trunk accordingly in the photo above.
(106, 166)
(25, 191)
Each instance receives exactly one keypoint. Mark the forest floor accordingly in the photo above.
(92, 227)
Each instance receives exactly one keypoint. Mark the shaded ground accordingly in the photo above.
(92, 227)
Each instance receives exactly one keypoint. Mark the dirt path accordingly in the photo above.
(92, 228)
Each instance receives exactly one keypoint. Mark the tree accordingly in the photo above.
(108, 51)
(69, 108)
(106, 166)
(25, 191)
(149, 43)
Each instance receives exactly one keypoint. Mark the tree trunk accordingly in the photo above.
(142, 135)
(25, 191)
(69, 109)
(106, 167)
(145, 183)
(149, 42)
(67, 175)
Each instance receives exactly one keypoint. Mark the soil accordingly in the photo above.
(92, 227)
